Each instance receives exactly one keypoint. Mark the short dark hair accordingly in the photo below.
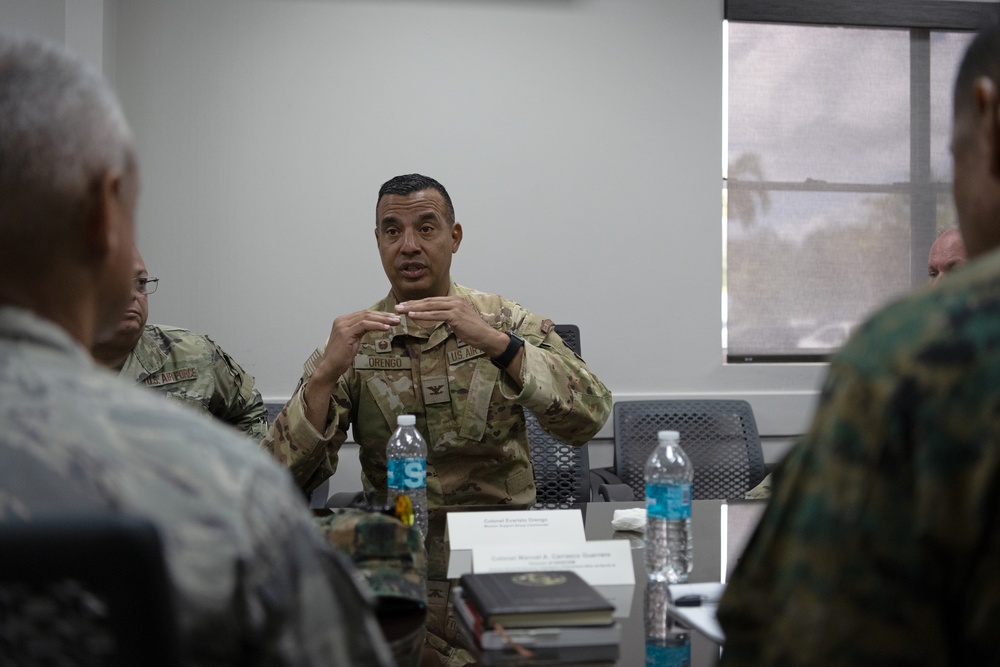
(982, 58)
(407, 184)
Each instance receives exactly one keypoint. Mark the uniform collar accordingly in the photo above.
(432, 337)
(23, 326)
(147, 353)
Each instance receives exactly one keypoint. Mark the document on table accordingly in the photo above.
(695, 606)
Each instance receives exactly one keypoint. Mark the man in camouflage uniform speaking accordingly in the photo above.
(881, 543)
(467, 364)
(254, 582)
(184, 365)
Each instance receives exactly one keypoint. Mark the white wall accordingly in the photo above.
(580, 140)
(41, 17)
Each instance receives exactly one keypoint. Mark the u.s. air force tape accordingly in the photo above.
(464, 353)
(169, 377)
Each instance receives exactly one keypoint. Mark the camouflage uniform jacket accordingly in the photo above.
(195, 370)
(468, 410)
(254, 581)
(881, 541)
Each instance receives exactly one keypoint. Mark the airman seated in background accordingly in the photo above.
(947, 254)
(466, 363)
(253, 580)
(184, 365)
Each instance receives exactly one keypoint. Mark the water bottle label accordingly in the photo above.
(407, 473)
(668, 656)
(668, 501)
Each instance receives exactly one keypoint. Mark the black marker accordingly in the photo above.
(694, 601)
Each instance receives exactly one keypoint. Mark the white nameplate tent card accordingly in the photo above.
(535, 540)
(466, 530)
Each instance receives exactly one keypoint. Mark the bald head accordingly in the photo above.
(947, 254)
(113, 348)
(68, 185)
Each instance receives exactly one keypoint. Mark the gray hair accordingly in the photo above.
(947, 230)
(61, 130)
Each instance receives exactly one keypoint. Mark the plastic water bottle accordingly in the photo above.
(666, 646)
(674, 650)
(406, 454)
(668, 511)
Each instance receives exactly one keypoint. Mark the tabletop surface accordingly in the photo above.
(710, 557)
(715, 552)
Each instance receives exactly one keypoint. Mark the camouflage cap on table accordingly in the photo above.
(387, 553)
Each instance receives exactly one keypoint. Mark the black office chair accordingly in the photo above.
(570, 334)
(273, 409)
(85, 590)
(562, 472)
(719, 436)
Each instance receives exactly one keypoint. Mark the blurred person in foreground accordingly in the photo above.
(254, 582)
(881, 542)
(947, 254)
(189, 367)
(466, 363)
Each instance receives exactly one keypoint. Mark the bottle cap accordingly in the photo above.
(406, 420)
(668, 435)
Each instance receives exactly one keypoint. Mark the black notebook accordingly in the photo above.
(536, 599)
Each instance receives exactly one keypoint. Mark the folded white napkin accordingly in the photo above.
(630, 519)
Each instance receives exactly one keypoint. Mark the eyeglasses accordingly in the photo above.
(146, 285)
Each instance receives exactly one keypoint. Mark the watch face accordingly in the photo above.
(515, 344)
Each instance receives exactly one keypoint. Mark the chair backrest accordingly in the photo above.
(85, 590)
(719, 436)
(272, 411)
(562, 472)
(570, 333)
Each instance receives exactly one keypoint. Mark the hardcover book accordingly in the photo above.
(599, 637)
(535, 599)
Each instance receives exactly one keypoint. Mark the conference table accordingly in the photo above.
(719, 530)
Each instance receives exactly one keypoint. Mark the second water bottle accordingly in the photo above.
(406, 456)
(668, 476)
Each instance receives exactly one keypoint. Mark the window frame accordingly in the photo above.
(919, 18)
(931, 15)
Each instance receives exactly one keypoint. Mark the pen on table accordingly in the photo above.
(695, 600)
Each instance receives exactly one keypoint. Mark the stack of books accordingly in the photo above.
(535, 618)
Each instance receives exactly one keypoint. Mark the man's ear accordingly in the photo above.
(456, 237)
(987, 100)
(103, 219)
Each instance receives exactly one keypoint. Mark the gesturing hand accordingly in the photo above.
(345, 339)
(459, 315)
(341, 346)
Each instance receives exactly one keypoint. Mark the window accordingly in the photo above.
(837, 170)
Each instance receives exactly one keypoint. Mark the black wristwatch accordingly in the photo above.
(515, 344)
